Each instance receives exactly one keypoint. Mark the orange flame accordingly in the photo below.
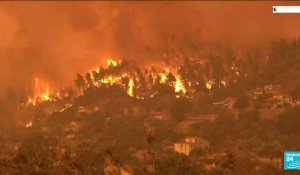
(45, 95)
(179, 87)
(28, 125)
(111, 62)
(209, 84)
(39, 95)
(130, 87)
(163, 78)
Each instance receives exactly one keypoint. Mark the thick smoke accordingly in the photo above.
(55, 40)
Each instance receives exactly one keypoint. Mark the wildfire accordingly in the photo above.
(130, 87)
(179, 87)
(111, 62)
(163, 78)
(111, 80)
(40, 93)
(45, 95)
(140, 84)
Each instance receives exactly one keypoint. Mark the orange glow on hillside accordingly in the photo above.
(41, 93)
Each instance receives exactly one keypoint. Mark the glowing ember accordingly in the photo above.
(179, 87)
(28, 125)
(130, 88)
(97, 70)
(31, 101)
(223, 83)
(163, 78)
(141, 98)
(209, 84)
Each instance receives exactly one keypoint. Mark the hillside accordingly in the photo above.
(122, 118)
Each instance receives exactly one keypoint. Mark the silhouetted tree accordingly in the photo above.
(88, 78)
(171, 78)
(79, 82)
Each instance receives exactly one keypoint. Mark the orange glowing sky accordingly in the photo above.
(55, 40)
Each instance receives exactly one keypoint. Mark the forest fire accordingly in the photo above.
(110, 80)
(131, 79)
(163, 78)
(139, 88)
(158, 94)
(111, 62)
(110, 76)
(179, 87)
(45, 95)
(130, 88)
(40, 93)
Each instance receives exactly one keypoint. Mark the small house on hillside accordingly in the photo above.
(183, 148)
(190, 143)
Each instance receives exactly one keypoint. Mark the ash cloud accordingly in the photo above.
(55, 40)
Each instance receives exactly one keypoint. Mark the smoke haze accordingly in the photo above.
(55, 40)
